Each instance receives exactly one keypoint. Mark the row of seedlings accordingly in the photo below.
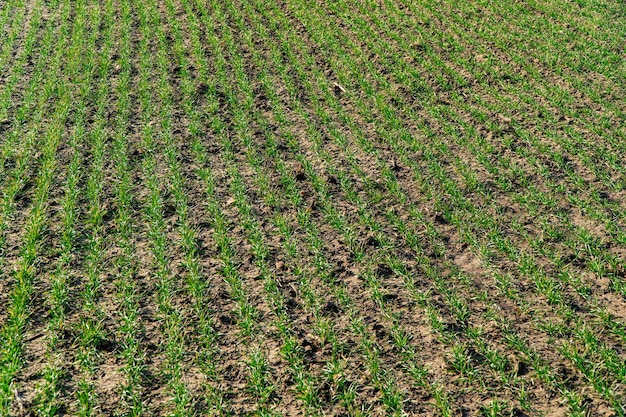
(91, 331)
(13, 330)
(204, 333)
(17, 47)
(12, 20)
(130, 329)
(50, 395)
(245, 312)
(155, 104)
(194, 105)
(20, 140)
(260, 375)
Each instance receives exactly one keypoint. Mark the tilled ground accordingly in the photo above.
(299, 207)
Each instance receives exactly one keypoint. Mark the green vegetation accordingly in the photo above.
(298, 207)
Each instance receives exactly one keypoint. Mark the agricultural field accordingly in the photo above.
(312, 208)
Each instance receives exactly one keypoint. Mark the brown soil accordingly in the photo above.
(428, 260)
